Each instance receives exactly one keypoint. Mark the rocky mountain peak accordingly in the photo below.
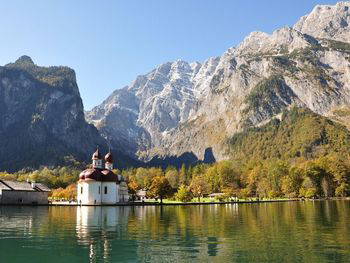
(59, 77)
(24, 60)
(327, 21)
(285, 39)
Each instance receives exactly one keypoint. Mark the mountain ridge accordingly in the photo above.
(180, 112)
(182, 109)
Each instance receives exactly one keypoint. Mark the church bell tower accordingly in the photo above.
(97, 159)
(109, 161)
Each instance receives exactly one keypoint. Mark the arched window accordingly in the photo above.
(105, 190)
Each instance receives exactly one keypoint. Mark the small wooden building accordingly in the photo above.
(23, 193)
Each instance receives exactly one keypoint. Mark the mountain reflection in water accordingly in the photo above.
(270, 232)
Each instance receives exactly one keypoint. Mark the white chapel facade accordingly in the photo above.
(100, 185)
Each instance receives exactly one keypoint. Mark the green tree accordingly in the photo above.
(316, 172)
(183, 175)
(183, 194)
(308, 189)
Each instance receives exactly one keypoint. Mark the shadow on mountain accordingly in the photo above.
(187, 158)
(209, 156)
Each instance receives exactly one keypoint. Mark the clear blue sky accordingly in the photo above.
(109, 43)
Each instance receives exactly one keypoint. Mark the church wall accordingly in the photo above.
(111, 196)
(91, 193)
(117, 194)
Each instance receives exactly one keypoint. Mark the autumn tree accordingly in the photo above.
(68, 193)
(199, 187)
(291, 183)
(160, 188)
(250, 179)
(133, 187)
(339, 169)
(173, 177)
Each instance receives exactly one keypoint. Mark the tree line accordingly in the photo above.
(327, 176)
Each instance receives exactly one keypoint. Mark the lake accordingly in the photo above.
(309, 231)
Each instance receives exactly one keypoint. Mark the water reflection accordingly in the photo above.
(97, 227)
(278, 232)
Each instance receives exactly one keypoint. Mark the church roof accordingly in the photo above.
(92, 174)
(98, 175)
(109, 176)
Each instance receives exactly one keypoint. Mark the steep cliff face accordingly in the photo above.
(181, 107)
(136, 117)
(41, 117)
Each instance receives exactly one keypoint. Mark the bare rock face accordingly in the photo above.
(327, 21)
(41, 117)
(189, 108)
(136, 117)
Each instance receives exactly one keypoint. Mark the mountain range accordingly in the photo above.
(182, 107)
(181, 112)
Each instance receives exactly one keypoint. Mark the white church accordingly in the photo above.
(101, 186)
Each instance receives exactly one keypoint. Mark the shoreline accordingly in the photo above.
(184, 204)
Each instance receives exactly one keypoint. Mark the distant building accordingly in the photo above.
(98, 186)
(23, 193)
(141, 195)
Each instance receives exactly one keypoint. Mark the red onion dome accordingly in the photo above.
(96, 155)
(91, 174)
(109, 157)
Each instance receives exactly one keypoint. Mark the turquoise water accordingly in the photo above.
(271, 232)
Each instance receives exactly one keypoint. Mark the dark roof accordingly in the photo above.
(109, 176)
(92, 174)
(42, 187)
(99, 175)
(23, 186)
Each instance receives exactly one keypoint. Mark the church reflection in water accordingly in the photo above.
(97, 227)
(154, 234)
